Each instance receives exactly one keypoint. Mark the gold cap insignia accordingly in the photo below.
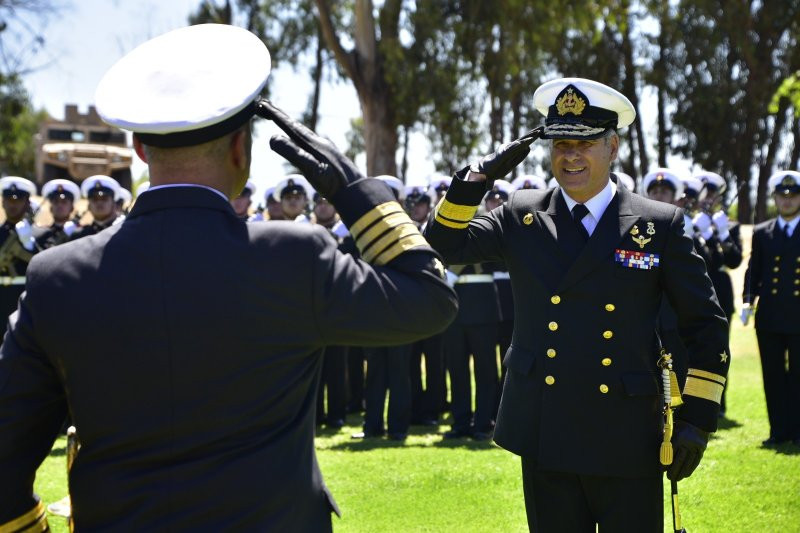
(527, 219)
(570, 103)
(787, 181)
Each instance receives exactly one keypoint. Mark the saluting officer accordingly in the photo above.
(17, 241)
(589, 262)
(61, 194)
(772, 291)
(202, 418)
(102, 193)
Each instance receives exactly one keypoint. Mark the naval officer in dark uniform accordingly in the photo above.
(201, 418)
(589, 263)
(772, 291)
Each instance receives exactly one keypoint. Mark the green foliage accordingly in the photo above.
(789, 89)
(19, 123)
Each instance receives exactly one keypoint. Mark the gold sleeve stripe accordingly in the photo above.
(33, 520)
(702, 388)
(374, 215)
(707, 375)
(374, 249)
(408, 243)
(459, 213)
(449, 224)
(388, 222)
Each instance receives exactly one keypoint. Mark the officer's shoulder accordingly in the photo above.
(651, 209)
(763, 226)
(287, 232)
(538, 199)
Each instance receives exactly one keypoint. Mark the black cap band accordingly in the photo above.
(199, 136)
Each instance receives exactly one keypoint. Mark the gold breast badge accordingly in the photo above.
(527, 219)
(651, 228)
(641, 240)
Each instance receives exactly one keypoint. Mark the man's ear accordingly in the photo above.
(614, 147)
(139, 147)
(240, 149)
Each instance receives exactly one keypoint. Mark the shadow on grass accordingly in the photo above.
(728, 423)
(784, 449)
(373, 443)
(58, 452)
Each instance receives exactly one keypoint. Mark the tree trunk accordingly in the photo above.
(404, 161)
(794, 159)
(629, 85)
(316, 76)
(380, 133)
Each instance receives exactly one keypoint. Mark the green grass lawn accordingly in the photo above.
(427, 484)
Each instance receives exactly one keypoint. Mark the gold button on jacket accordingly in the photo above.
(555, 299)
(549, 380)
(608, 334)
(606, 361)
(553, 326)
(604, 388)
(551, 353)
(610, 307)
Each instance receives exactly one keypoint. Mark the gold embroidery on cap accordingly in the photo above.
(570, 103)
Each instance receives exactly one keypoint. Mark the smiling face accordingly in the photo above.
(581, 166)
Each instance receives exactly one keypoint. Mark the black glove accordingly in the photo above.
(504, 159)
(689, 443)
(318, 160)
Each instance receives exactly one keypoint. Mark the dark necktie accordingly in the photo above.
(786, 234)
(578, 212)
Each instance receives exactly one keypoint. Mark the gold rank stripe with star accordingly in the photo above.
(33, 520)
(454, 215)
(385, 232)
(706, 385)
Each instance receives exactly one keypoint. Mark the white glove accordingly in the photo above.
(702, 222)
(451, 278)
(747, 312)
(25, 233)
(722, 223)
(69, 227)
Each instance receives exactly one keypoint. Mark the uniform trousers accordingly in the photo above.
(559, 502)
(479, 341)
(387, 370)
(780, 366)
(334, 379)
(426, 401)
(355, 379)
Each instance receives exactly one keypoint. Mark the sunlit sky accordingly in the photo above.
(87, 36)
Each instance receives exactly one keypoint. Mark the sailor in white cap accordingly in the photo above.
(498, 195)
(529, 181)
(294, 193)
(273, 206)
(693, 191)
(397, 187)
(772, 292)
(213, 391)
(61, 195)
(625, 180)
(589, 262)
(662, 185)
(418, 201)
(439, 183)
(124, 199)
(102, 193)
(17, 240)
(241, 204)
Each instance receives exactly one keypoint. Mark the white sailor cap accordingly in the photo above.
(124, 195)
(186, 87)
(413, 194)
(100, 185)
(62, 188)
(577, 108)
(293, 183)
(143, 187)
(395, 184)
(500, 189)
(784, 182)
(712, 180)
(440, 182)
(663, 176)
(691, 186)
(15, 186)
(268, 194)
(529, 181)
(249, 187)
(627, 181)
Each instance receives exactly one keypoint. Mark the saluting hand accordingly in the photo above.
(502, 161)
(689, 443)
(327, 169)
